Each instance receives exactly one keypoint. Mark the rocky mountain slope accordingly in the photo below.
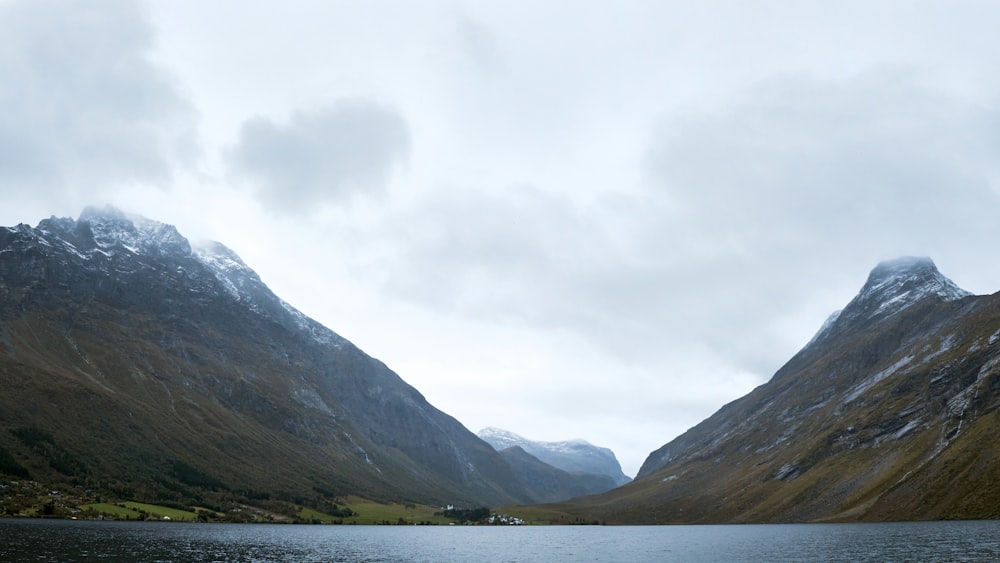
(574, 456)
(889, 413)
(134, 363)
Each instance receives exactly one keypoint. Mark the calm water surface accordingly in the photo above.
(63, 540)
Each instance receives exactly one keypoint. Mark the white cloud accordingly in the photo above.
(480, 46)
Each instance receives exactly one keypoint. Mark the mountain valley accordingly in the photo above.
(138, 366)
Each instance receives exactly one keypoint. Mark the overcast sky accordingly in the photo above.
(597, 220)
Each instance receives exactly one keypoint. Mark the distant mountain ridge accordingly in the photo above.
(170, 371)
(571, 455)
(889, 413)
(546, 483)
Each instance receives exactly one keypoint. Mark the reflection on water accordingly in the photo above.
(64, 540)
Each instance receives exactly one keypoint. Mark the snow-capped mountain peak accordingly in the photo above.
(501, 439)
(569, 455)
(893, 286)
(111, 228)
(134, 243)
(909, 279)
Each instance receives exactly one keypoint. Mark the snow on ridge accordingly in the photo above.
(873, 380)
(112, 227)
(827, 324)
(317, 331)
(241, 282)
(910, 427)
(498, 432)
(227, 268)
(75, 251)
(502, 439)
(507, 437)
(568, 445)
(110, 231)
(994, 337)
(938, 285)
(114, 231)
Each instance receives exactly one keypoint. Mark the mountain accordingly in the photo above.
(889, 413)
(545, 483)
(573, 456)
(136, 364)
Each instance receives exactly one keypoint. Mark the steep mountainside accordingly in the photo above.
(574, 456)
(130, 361)
(889, 413)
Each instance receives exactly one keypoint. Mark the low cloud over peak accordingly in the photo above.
(84, 107)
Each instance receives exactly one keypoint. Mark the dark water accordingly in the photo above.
(63, 540)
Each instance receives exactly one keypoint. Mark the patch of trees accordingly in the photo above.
(480, 514)
(33, 437)
(10, 466)
(333, 509)
(194, 477)
(44, 444)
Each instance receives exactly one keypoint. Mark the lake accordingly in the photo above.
(68, 540)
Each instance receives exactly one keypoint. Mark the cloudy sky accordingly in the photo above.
(600, 220)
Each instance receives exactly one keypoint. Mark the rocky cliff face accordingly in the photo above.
(889, 413)
(167, 369)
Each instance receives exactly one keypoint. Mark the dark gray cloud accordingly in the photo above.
(480, 45)
(493, 255)
(84, 108)
(321, 157)
(802, 163)
(749, 217)
(525, 257)
(820, 180)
